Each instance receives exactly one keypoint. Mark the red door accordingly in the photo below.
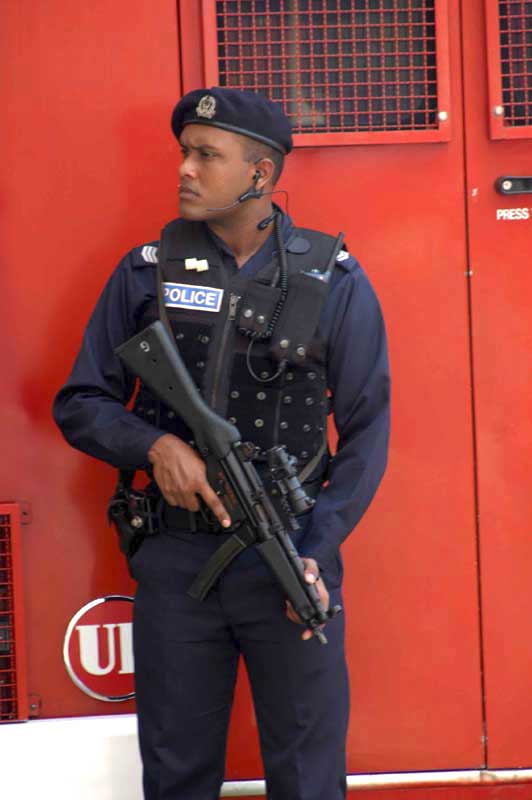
(89, 173)
(374, 90)
(499, 152)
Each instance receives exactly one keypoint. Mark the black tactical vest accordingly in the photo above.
(290, 409)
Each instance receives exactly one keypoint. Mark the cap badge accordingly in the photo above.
(206, 107)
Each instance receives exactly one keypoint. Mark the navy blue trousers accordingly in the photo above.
(186, 658)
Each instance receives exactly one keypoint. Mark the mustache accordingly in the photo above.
(185, 187)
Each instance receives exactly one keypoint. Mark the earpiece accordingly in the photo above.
(256, 176)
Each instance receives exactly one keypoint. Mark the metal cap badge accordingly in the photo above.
(206, 107)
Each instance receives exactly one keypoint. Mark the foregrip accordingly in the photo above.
(303, 596)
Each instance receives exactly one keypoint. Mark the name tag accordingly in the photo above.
(197, 298)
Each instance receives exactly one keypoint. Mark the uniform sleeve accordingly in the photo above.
(90, 408)
(359, 380)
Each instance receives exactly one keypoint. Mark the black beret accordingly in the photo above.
(236, 110)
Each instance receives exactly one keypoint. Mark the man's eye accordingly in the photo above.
(207, 154)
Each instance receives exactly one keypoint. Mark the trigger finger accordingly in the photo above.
(216, 506)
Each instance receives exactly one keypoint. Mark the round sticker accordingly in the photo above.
(98, 648)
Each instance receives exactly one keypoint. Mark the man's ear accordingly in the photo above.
(265, 169)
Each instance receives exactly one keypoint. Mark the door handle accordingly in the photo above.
(511, 184)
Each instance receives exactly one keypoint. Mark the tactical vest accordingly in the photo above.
(289, 408)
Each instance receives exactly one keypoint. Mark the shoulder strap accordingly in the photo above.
(163, 316)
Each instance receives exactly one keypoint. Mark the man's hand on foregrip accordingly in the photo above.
(312, 575)
(181, 476)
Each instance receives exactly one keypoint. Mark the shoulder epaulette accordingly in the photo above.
(346, 261)
(145, 254)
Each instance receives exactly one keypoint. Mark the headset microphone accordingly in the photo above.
(251, 194)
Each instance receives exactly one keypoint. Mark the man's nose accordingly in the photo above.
(187, 167)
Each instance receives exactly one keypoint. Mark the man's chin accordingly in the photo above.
(187, 211)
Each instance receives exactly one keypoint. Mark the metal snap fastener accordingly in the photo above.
(261, 395)
(284, 343)
(247, 313)
(235, 394)
(309, 401)
(287, 400)
(259, 423)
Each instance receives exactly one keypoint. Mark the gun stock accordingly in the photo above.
(152, 355)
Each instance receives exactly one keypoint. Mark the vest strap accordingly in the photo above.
(311, 465)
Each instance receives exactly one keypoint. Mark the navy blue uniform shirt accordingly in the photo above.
(90, 408)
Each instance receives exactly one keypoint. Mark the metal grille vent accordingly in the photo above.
(335, 65)
(515, 20)
(9, 669)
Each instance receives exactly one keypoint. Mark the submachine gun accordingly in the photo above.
(155, 359)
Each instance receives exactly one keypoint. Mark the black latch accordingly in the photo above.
(511, 184)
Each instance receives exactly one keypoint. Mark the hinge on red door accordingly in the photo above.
(34, 705)
(25, 512)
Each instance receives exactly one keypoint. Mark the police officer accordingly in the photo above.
(270, 357)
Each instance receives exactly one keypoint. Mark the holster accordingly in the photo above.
(133, 512)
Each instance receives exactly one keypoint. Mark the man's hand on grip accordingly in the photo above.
(312, 575)
(181, 476)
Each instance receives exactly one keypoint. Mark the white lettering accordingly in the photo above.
(89, 648)
(126, 648)
(511, 214)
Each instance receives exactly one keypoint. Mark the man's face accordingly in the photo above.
(214, 172)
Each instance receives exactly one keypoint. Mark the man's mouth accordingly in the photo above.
(186, 191)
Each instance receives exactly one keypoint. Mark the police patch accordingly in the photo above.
(196, 298)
